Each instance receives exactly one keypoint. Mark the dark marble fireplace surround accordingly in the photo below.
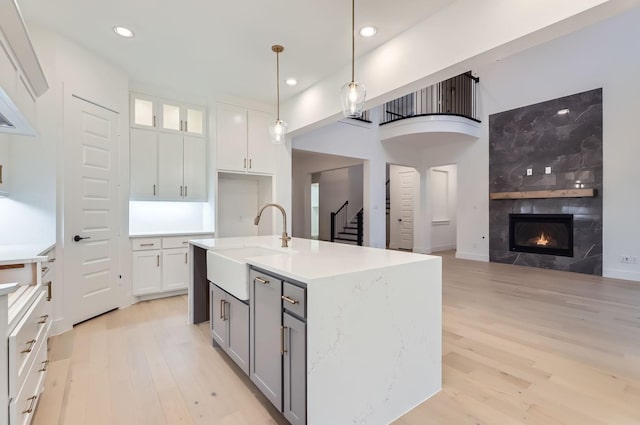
(535, 137)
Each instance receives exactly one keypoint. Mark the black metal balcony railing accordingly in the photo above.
(455, 96)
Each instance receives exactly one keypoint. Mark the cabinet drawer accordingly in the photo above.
(145, 244)
(293, 299)
(176, 242)
(30, 333)
(22, 406)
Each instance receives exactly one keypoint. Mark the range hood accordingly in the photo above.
(22, 79)
(12, 121)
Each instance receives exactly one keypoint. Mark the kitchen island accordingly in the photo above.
(371, 324)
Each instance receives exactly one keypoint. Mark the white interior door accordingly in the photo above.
(90, 210)
(405, 213)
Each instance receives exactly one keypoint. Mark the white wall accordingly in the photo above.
(241, 196)
(594, 57)
(334, 191)
(302, 168)
(166, 217)
(461, 36)
(444, 188)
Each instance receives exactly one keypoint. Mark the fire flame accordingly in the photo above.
(542, 240)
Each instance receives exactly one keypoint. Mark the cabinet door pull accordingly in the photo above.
(261, 280)
(186, 190)
(185, 242)
(154, 120)
(146, 244)
(283, 350)
(186, 126)
(250, 159)
(185, 258)
(49, 293)
(154, 190)
(181, 191)
(222, 309)
(43, 319)
(158, 260)
(245, 163)
(44, 366)
(30, 344)
(52, 260)
(32, 400)
(180, 125)
(289, 300)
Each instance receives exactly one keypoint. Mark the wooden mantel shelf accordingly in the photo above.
(541, 194)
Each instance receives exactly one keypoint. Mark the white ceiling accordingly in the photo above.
(214, 48)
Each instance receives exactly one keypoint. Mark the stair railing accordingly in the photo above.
(339, 218)
(360, 220)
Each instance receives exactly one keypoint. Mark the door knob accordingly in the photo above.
(78, 238)
(399, 219)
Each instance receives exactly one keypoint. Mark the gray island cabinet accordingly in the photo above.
(278, 343)
(333, 334)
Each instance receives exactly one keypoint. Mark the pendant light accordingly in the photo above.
(278, 128)
(353, 94)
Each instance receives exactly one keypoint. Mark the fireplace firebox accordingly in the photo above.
(550, 234)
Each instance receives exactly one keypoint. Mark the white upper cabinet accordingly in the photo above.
(144, 164)
(167, 116)
(143, 111)
(168, 150)
(262, 153)
(242, 140)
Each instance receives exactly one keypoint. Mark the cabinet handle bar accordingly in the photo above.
(289, 300)
(283, 350)
(261, 280)
(30, 409)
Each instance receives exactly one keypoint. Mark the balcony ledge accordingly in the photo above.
(430, 128)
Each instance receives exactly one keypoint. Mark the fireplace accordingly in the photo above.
(550, 234)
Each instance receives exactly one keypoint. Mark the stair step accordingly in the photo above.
(346, 241)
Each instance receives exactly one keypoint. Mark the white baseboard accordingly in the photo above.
(448, 247)
(150, 297)
(421, 250)
(474, 257)
(621, 274)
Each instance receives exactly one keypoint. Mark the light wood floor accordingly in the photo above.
(521, 346)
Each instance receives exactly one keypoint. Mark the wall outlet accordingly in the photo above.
(627, 259)
(547, 170)
(529, 171)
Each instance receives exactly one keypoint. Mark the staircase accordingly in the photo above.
(347, 230)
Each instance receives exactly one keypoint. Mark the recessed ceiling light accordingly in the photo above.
(368, 31)
(291, 81)
(123, 32)
(563, 112)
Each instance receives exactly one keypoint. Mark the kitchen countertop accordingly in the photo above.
(170, 233)
(24, 253)
(306, 260)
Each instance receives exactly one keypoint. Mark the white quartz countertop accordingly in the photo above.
(169, 233)
(306, 260)
(7, 288)
(24, 253)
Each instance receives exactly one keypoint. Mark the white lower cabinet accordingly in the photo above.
(147, 272)
(161, 264)
(175, 269)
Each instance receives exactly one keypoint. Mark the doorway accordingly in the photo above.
(315, 210)
(403, 183)
(91, 220)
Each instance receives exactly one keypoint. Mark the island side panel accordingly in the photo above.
(198, 286)
(374, 343)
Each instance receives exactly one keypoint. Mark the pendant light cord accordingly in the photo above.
(353, 40)
(278, 82)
